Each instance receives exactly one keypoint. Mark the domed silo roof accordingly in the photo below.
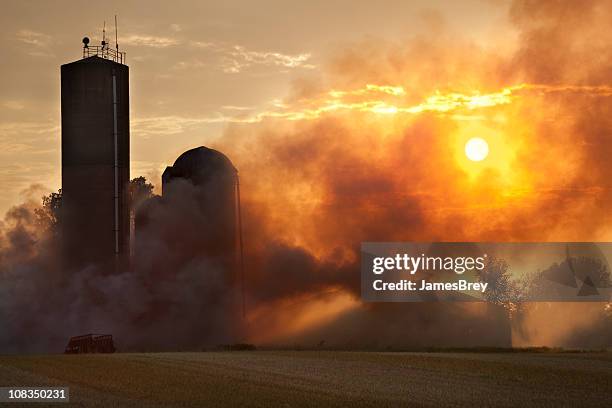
(199, 200)
(200, 165)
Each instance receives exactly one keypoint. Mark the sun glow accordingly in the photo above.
(476, 149)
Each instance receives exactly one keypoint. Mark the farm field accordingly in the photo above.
(319, 378)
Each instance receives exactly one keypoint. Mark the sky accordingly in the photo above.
(348, 123)
(194, 66)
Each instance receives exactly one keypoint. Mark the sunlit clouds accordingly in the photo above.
(233, 59)
(148, 41)
(34, 38)
(239, 58)
(371, 98)
(35, 44)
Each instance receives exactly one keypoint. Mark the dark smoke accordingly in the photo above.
(168, 298)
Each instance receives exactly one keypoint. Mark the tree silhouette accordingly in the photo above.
(502, 289)
(49, 214)
(140, 190)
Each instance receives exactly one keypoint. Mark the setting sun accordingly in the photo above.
(476, 149)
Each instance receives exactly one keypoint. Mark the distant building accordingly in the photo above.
(95, 157)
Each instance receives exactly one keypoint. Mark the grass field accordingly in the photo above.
(325, 378)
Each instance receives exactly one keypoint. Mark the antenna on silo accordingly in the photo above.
(103, 50)
(116, 36)
(104, 36)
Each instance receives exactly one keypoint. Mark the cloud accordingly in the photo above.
(170, 124)
(238, 108)
(238, 58)
(15, 130)
(14, 105)
(38, 43)
(202, 44)
(234, 58)
(139, 40)
(381, 100)
(33, 38)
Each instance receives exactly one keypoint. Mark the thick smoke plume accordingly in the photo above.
(382, 165)
(164, 300)
(361, 169)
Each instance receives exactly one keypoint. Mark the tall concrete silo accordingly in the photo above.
(95, 157)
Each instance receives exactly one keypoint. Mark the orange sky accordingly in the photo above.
(394, 87)
(194, 65)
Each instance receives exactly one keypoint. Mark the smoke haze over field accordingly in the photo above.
(372, 167)
(369, 150)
